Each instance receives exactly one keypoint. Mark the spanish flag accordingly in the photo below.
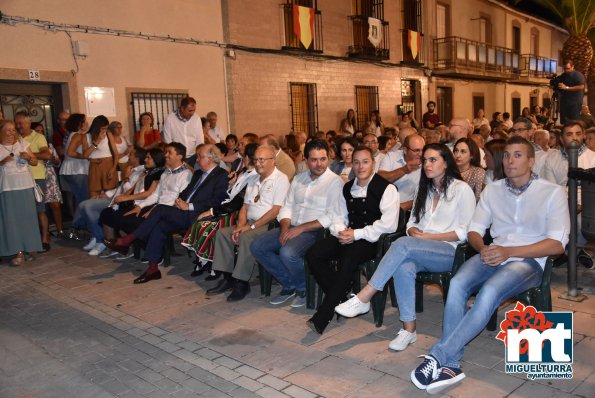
(303, 24)
(414, 42)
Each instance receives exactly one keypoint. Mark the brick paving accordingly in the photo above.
(75, 326)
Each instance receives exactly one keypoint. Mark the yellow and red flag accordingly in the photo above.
(303, 24)
(414, 42)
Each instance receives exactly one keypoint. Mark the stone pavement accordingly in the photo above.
(75, 326)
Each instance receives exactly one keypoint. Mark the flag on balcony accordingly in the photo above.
(374, 31)
(303, 24)
(414, 42)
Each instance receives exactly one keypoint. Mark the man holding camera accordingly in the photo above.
(571, 86)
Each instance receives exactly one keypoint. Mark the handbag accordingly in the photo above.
(38, 193)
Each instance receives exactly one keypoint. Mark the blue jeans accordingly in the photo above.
(79, 186)
(87, 216)
(285, 263)
(406, 257)
(495, 284)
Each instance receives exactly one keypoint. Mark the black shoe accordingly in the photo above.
(144, 278)
(239, 291)
(46, 247)
(222, 286)
(200, 269)
(213, 277)
(312, 325)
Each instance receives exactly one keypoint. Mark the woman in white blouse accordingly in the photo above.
(19, 233)
(442, 210)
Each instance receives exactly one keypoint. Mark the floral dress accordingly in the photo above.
(52, 193)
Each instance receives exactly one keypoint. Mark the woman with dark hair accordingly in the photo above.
(116, 218)
(468, 159)
(349, 124)
(375, 126)
(442, 211)
(75, 166)
(346, 148)
(147, 137)
(526, 113)
(200, 237)
(122, 145)
(494, 155)
(103, 157)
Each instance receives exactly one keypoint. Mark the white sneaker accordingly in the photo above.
(98, 249)
(90, 245)
(352, 307)
(403, 339)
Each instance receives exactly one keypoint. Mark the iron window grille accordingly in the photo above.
(159, 104)
(304, 107)
(366, 101)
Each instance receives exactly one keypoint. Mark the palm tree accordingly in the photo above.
(578, 18)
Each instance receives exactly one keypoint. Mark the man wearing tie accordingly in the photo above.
(207, 188)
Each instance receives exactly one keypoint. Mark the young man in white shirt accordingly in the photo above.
(403, 168)
(555, 168)
(184, 126)
(367, 209)
(310, 205)
(533, 225)
(262, 201)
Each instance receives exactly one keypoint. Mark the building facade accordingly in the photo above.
(274, 66)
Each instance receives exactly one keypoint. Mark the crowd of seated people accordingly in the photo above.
(238, 201)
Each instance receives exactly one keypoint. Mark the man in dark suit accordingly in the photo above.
(207, 189)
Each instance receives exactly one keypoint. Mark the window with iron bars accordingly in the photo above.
(304, 107)
(291, 40)
(159, 104)
(412, 20)
(366, 101)
(359, 29)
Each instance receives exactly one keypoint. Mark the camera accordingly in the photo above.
(554, 82)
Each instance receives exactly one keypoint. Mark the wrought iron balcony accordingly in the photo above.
(362, 47)
(292, 41)
(455, 55)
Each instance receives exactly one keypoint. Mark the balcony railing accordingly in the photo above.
(536, 66)
(456, 53)
(361, 47)
(292, 41)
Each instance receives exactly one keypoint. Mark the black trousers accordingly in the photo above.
(118, 221)
(335, 283)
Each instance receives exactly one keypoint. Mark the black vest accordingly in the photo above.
(365, 211)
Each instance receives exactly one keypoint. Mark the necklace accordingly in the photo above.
(11, 150)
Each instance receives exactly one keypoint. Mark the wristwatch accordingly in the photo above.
(253, 226)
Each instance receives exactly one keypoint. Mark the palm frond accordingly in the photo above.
(578, 16)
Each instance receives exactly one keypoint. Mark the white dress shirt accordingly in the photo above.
(188, 132)
(310, 200)
(452, 213)
(240, 183)
(271, 192)
(387, 223)
(171, 184)
(555, 168)
(541, 212)
(407, 185)
(378, 157)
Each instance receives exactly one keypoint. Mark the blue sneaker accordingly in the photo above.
(447, 376)
(425, 373)
(283, 296)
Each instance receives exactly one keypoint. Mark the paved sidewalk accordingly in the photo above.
(75, 326)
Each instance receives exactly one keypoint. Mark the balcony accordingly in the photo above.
(361, 47)
(469, 58)
(539, 67)
(292, 41)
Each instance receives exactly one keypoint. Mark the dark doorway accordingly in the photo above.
(444, 103)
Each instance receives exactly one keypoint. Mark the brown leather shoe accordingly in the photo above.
(144, 278)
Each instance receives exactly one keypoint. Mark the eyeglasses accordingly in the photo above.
(512, 131)
(414, 150)
(261, 160)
